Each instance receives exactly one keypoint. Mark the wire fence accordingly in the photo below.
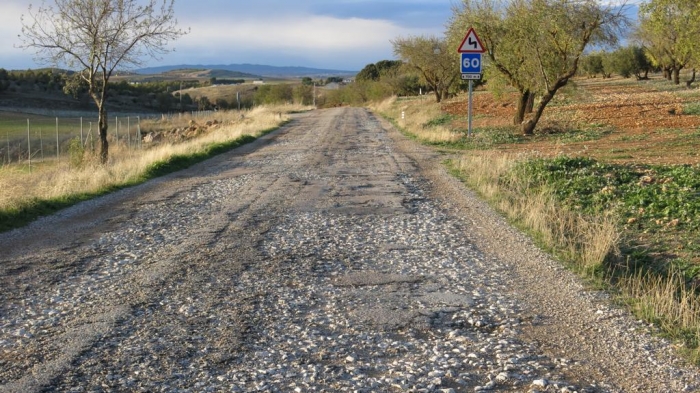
(38, 139)
(30, 140)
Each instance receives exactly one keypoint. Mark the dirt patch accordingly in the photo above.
(616, 121)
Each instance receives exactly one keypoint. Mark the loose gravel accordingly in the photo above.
(334, 257)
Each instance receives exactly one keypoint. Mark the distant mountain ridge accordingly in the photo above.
(254, 69)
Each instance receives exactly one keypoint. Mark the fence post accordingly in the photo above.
(7, 135)
(58, 146)
(29, 147)
(138, 129)
(116, 121)
(81, 132)
(128, 131)
(41, 145)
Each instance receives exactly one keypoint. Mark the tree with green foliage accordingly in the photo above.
(628, 61)
(536, 45)
(222, 104)
(96, 37)
(380, 69)
(4, 80)
(670, 31)
(303, 94)
(281, 93)
(203, 103)
(334, 79)
(432, 59)
(164, 101)
(592, 65)
(388, 67)
(186, 100)
(368, 73)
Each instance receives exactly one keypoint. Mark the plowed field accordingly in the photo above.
(615, 120)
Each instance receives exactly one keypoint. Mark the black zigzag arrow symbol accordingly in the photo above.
(473, 43)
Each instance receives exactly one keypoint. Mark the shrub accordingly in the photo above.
(76, 151)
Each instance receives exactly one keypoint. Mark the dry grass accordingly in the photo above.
(213, 93)
(668, 302)
(126, 165)
(413, 114)
(586, 242)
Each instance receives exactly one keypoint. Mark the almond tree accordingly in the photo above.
(536, 45)
(434, 61)
(670, 31)
(97, 37)
(496, 23)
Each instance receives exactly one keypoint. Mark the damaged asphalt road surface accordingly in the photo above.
(333, 255)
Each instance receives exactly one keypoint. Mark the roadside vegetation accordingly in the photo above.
(594, 153)
(628, 225)
(51, 187)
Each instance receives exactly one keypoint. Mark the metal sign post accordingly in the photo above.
(469, 109)
(470, 49)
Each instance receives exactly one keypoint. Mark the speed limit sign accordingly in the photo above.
(471, 63)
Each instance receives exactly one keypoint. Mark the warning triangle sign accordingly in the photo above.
(471, 43)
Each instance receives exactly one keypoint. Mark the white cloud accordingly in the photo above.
(304, 33)
(301, 36)
(288, 33)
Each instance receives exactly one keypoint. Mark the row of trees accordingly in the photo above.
(157, 95)
(626, 62)
(48, 79)
(669, 31)
(537, 46)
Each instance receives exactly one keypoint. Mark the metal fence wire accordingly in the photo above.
(37, 139)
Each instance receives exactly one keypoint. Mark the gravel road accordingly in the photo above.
(333, 255)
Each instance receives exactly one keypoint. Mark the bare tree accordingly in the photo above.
(97, 37)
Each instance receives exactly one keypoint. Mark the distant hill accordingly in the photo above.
(209, 73)
(251, 70)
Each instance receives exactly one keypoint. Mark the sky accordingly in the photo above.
(329, 34)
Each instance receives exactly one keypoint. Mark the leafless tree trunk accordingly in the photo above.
(103, 126)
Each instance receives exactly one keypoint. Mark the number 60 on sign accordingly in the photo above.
(471, 63)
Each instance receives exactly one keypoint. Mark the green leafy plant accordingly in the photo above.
(692, 109)
(76, 152)
(441, 120)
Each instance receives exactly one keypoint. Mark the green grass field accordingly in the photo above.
(22, 133)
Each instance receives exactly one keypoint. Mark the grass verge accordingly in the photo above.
(27, 196)
(632, 229)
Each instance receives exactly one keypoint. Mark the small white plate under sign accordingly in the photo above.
(471, 76)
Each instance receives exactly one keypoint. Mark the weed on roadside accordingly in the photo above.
(441, 120)
(692, 109)
(488, 137)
